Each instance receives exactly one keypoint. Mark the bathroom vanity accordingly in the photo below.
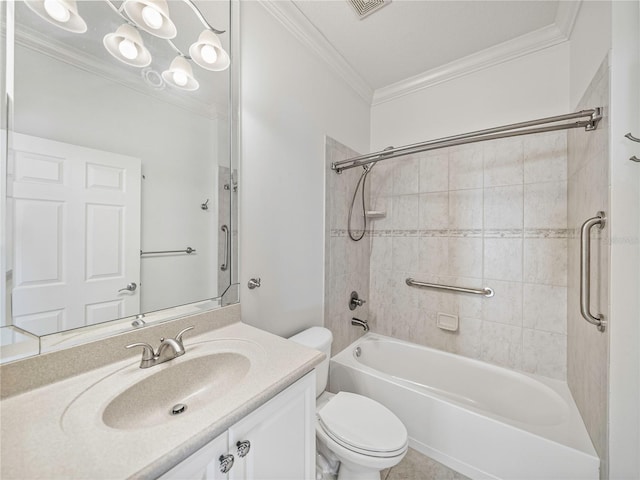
(239, 404)
(275, 441)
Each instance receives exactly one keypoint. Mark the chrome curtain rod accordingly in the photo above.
(593, 115)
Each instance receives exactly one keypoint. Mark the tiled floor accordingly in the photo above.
(415, 466)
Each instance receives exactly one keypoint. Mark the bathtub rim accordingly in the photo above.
(579, 439)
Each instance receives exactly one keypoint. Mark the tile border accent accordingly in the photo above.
(475, 233)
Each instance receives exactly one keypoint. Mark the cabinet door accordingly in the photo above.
(281, 435)
(202, 465)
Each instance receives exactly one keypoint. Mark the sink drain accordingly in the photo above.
(178, 409)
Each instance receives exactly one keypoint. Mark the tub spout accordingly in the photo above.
(361, 323)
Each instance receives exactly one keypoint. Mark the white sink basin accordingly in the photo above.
(132, 398)
(192, 383)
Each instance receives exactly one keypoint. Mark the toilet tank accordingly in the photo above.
(318, 338)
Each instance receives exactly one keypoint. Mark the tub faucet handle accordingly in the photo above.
(355, 301)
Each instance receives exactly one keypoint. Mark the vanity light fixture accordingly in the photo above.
(180, 75)
(208, 53)
(61, 13)
(127, 46)
(152, 16)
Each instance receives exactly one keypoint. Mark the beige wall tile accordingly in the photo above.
(544, 353)
(545, 261)
(506, 305)
(503, 259)
(406, 175)
(433, 255)
(503, 162)
(545, 308)
(465, 209)
(545, 205)
(434, 172)
(433, 211)
(465, 257)
(503, 207)
(465, 167)
(405, 208)
(502, 344)
(545, 157)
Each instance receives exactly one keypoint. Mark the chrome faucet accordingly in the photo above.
(360, 323)
(169, 349)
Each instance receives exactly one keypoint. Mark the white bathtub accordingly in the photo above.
(479, 419)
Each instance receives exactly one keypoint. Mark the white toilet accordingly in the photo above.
(363, 435)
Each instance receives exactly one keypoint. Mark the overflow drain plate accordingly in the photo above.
(178, 409)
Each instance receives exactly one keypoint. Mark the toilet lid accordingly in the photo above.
(363, 425)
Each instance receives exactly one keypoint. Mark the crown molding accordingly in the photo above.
(301, 27)
(518, 47)
(566, 16)
(554, 34)
(32, 40)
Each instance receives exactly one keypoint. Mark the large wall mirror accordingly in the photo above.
(120, 184)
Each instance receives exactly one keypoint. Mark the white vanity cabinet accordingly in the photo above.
(275, 442)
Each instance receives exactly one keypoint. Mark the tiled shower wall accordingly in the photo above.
(588, 193)
(227, 215)
(488, 214)
(346, 261)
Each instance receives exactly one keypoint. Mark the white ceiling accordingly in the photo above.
(409, 37)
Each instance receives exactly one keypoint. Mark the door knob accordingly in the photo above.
(129, 288)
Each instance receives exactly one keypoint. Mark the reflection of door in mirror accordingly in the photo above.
(70, 89)
(76, 221)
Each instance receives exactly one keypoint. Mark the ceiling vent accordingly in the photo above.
(364, 8)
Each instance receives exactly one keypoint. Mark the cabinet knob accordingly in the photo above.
(243, 448)
(226, 462)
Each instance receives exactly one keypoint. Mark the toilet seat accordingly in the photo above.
(363, 426)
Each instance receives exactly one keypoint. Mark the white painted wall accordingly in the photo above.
(589, 43)
(175, 145)
(290, 101)
(624, 327)
(529, 87)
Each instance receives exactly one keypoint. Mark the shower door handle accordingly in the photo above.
(227, 234)
(585, 271)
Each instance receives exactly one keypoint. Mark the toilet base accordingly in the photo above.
(349, 471)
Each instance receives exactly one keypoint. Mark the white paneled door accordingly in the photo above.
(75, 239)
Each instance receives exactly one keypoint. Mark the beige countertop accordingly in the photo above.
(56, 430)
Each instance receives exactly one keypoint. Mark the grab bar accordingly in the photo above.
(225, 264)
(487, 292)
(186, 250)
(585, 270)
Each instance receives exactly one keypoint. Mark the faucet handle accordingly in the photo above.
(147, 350)
(179, 335)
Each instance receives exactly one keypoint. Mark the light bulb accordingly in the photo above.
(180, 78)
(209, 54)
(57, 10)
(128, 49)
(152, 17)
